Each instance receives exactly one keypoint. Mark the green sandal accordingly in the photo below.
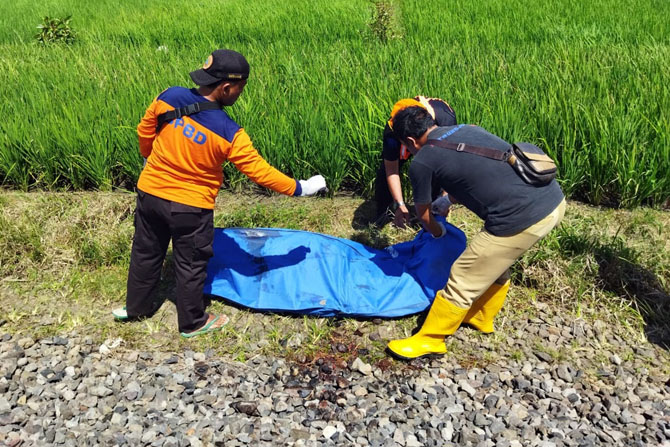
(209, 327)
(120, 314)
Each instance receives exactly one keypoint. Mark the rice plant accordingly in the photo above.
(587, 80)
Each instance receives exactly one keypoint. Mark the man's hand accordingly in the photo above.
(401, 216)
(312, 185)
(435, 228)
(442, 229)
(441, 205)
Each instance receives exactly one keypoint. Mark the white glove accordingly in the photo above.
(441, 205)
(312, 185)
(443, 231)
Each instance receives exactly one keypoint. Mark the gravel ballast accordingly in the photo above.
(68, 390)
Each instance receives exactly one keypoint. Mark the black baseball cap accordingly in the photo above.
(222, 65)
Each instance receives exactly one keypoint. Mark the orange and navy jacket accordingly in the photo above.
(184, 161)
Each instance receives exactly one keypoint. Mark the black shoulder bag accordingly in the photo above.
(528, 161)
(190, 109)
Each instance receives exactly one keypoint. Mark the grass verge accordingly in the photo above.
(64, 260)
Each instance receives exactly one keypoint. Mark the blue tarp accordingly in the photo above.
(281, 270)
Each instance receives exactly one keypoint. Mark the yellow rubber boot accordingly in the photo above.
(443, 319)
(485, 309)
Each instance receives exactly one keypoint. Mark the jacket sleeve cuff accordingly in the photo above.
(298, 189)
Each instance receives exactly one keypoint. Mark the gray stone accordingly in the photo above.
(68, 394)
(5, 406)
(481, 420)
(329, 431)
(491, 401)
(100, 391)
(563, 373)
(543, 356)
(362, 367)
(464, 385)
(497, 427)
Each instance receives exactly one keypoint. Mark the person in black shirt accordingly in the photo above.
(516, 215)
(388, 188)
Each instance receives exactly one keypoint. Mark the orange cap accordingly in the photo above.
(402, 105)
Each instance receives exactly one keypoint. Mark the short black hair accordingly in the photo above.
(412, 122)
(215, 84)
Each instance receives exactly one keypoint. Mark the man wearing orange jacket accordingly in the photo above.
(186, 137)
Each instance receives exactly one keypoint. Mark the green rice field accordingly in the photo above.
(587, 80)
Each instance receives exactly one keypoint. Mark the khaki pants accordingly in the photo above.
(488, 256)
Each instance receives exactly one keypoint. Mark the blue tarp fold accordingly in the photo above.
(281, 270)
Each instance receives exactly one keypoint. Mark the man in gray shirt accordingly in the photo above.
(516, 215)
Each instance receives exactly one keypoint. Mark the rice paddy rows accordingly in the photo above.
(588, 80)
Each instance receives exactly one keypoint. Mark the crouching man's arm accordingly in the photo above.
(435, 228)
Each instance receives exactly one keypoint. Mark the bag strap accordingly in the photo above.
(470, 149)
(190, 109)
